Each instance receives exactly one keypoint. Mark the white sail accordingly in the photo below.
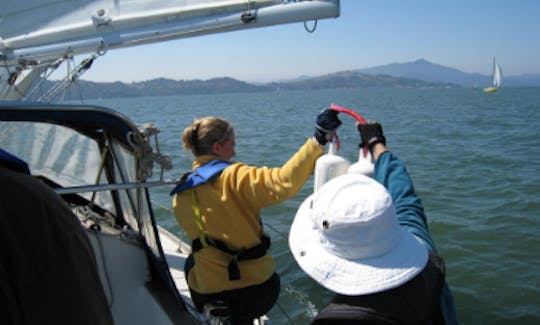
(496, 78)
(497, 75)
(38, 33)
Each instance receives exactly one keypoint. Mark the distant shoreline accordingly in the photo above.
(417, 74)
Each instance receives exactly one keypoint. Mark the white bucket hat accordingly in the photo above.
(347, 238)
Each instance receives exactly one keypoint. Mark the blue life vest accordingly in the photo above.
(201, 175)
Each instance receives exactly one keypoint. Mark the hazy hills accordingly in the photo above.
(417, 74)
(427, 71)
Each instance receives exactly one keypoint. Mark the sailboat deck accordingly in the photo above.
(176, 253)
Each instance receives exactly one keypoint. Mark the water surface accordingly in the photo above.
(474, 159)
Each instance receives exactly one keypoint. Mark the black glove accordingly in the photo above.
(371, 133)
(326, 125)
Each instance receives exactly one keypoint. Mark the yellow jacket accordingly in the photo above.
(230, 211)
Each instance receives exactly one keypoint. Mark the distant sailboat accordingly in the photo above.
(497, 76)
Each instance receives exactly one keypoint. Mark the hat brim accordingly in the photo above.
(354, 277)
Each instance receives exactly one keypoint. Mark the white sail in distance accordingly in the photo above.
(497, 74)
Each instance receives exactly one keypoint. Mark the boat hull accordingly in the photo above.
(491, 89)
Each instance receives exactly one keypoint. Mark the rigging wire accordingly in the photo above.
(284, 312)
(275, 230)
(72, 76)
(33, 94)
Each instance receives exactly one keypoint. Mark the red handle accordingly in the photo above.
(352, 113)
(349, 111)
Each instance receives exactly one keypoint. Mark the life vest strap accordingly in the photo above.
(251, 253)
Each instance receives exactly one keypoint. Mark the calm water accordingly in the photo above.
(474, 159)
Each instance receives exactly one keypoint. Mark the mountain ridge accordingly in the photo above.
(427, 71)
(417, 74)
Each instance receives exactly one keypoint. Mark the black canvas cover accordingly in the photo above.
(48, 272)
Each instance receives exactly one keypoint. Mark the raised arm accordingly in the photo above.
(392, 173)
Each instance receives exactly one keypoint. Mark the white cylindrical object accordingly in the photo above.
(329, 166)
(365, 164)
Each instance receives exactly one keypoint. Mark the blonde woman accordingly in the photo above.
(218, 205)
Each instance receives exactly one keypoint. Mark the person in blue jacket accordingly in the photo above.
(367, 240)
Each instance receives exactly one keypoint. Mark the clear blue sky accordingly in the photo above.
(462, 34)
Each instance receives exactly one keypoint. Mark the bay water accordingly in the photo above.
(474, 159)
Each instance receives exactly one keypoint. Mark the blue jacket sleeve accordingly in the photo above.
(391, 172)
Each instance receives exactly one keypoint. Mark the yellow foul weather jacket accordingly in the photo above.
(230, 212)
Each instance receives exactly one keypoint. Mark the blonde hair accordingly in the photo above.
(200, 136)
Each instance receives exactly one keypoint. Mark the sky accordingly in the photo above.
(461, 34)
